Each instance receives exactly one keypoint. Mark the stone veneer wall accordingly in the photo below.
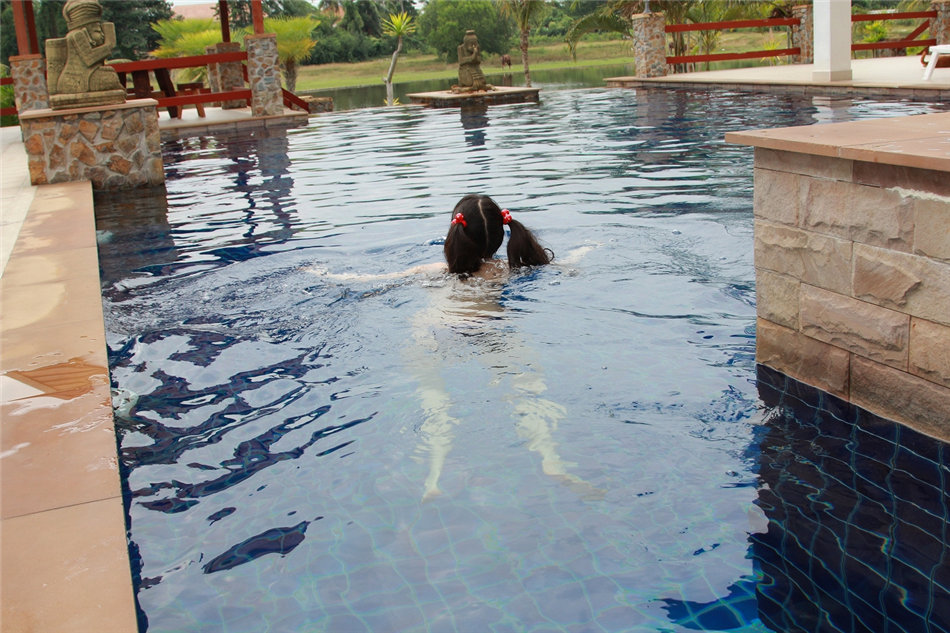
(116, 147)
(803, 35)
(853, 281)
(29, 82)
(649, 44)
(226, 76)
(940, 26)
(263, 74)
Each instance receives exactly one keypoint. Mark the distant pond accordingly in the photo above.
(556, 79)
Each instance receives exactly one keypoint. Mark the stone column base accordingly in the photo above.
(118, 147)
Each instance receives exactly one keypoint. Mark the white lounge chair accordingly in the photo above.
(935, 52)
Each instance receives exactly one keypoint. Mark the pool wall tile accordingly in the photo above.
(851, 222)
(875, 548)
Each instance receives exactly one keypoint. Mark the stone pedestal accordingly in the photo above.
(940, 26)
(115, 148)
(263, 74)
(226, 76)
(852, 260)
(649, 44)
(803, 34)
(29, 82)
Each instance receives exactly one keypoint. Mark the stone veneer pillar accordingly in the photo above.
(263, 74)
(803, 36)
(940, 26)
(29, 82)
(649, 44)
(227, 75)
(852, 259)
(118, 147)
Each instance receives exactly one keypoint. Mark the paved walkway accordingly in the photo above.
(897, 76)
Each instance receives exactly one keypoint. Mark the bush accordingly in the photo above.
(443, 24)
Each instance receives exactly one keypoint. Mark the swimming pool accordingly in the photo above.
(586, 448)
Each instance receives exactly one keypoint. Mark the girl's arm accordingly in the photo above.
(435, 268)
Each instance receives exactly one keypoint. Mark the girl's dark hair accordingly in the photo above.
(468, 244)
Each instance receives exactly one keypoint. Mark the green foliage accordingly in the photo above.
(178, 38)
(135, 37)
(7, 100)
(335, 44)
(443, 24)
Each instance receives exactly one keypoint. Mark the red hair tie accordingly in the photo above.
(459, 219)
(505, 216)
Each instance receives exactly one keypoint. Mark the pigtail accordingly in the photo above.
(462, 254)
(524, 249)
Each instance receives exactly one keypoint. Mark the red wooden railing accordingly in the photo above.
(7, 81)
(908, 41)
(167, 96)
(733, 24)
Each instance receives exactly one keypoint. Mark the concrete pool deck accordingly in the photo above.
(65, 564)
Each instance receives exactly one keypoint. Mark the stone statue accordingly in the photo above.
(471, 77)
(76, 74)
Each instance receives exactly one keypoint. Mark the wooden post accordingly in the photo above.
(25, 27)
(225, 18)
(257, 13)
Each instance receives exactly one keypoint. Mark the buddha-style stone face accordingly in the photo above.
(76, 70)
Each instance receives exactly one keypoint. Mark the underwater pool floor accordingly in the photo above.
(308, 446)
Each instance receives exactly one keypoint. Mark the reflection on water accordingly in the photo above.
(597, 439)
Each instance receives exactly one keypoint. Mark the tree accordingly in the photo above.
(181, 38)
(294, 43)
(525, 13)
(443, 24)
(397, 26)
(132, 25)
(134, 36)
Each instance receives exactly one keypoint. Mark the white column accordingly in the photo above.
(832, 29)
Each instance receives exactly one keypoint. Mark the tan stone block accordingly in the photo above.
(912, 178)
(857, 326)
(127, 144)
(776, 196)
(82, 152)
(119, 165)
(37, 172)
(932, 228)
(133, 124)
(930, 351)
(155, 171)
(915, 285)
(803, 358)
(869, 215)
(900, 396)
(67, 131)
(777, 298)
(819, 260)
(88, 129)
(804, 164)
(111, 128)
(57, 158)
(34, 145)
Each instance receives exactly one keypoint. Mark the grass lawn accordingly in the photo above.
(421, 67)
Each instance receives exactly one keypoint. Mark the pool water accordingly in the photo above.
(311, 445)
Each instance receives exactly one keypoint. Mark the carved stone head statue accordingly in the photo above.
(76, 74)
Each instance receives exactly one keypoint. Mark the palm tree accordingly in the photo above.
(615, 18)
(182, 38)
(525, 14)
(396, 26)
(294, 43)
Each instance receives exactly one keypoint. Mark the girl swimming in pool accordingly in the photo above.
(476, 233)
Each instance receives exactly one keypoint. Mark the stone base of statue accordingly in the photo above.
(115, 147)
(471, 89)
(87, 99)
(496, 96)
